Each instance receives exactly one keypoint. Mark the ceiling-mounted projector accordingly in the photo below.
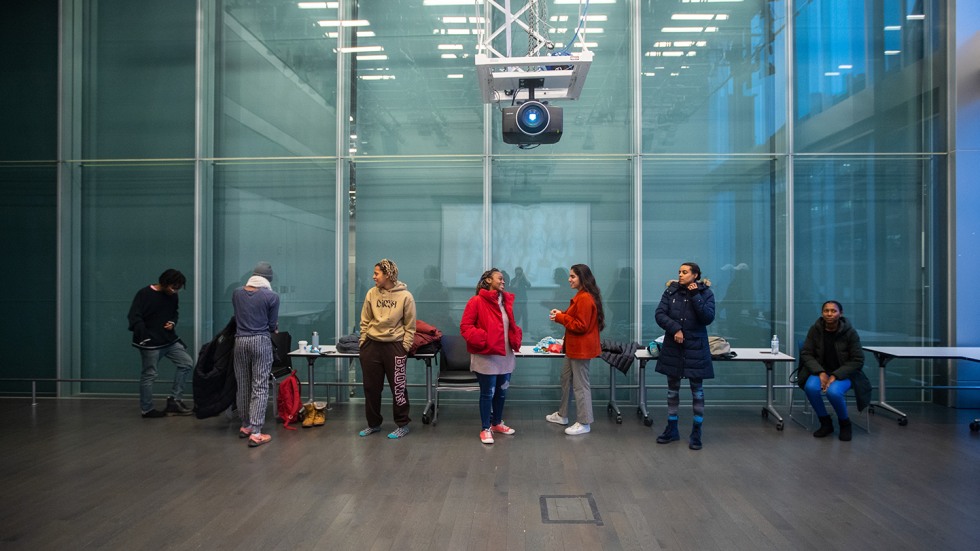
(532, 122)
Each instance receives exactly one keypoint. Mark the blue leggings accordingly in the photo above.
(835, 395)
(493, 392)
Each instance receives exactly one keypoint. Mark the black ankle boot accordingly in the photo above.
(826, 427)
(670, 433)
(695, 441)
(845, 430)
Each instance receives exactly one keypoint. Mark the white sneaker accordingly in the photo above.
(577, 428)
(555, 418)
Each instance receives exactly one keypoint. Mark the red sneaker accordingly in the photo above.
(486, 436)
(502, 429)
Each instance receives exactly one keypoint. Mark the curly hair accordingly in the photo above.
(389, 269)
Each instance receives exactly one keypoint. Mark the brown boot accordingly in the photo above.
(319, 413)
(309, 412)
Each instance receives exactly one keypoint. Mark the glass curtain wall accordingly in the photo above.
(794, 149)
(29, 185)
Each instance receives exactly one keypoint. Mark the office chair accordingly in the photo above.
(454, 370)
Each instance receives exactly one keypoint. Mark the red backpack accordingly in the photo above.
(288, 403)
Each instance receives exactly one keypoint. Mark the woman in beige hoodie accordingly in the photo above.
(387, 331)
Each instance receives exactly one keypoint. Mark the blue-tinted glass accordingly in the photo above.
(28, 222)
(868, 76)
(137, 221)
(425, 216)
(138, 80)
(712, 77)
(282, 213)
(29, 86)
(861, 238)
(719, 213)
(547, 216)
(276, 91)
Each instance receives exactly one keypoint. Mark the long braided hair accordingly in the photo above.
(483, 283)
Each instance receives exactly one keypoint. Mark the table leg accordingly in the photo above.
(612, 407)
(309, 375)
(430, 406)
(770, 409)
(881, 403)
(641, 408)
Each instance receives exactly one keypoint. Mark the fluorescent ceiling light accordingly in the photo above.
(831, 74)
(317, 5)
(365, 34)
(558, 18)
(681, 29)
(377, 77)
(454, 75)
(449, 56)
(683, 43)
(449, 47)
(596, 18)
(649, 74)
(893, 27)
(343, 23)
(692, 16)
(673, 53)
(915, 17)
(449, 2)
(845, 66)
(459, 31)
(454, 19)
(375, 57)
(360, 49)
(892, 52)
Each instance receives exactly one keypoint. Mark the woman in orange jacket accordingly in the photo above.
(583, 320)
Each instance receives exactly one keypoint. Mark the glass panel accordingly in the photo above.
(420, 215)
(139, 79)
(712, 77)
(870, 76)
(28, 223)
(29, 87)
(865, 237)
(548, 216)
(276, 82)
(598, 121)
(718, 213)
(137, 221)
(283, 213)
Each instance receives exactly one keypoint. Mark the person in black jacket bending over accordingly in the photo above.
(686, 309)
(832, 352)
(152, 319)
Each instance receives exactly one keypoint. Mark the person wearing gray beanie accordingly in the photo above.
(263, 269)
(256, 316)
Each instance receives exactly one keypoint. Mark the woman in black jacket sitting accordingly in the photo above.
(832, 362)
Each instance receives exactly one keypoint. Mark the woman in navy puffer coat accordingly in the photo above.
(686, 308)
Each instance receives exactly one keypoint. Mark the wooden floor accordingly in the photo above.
(92, 474)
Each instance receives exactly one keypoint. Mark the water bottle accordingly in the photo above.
(316, 341)
(774, 345)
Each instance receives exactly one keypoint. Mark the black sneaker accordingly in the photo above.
(177, 407)
(154, 414)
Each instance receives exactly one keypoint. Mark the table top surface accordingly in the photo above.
(928, 352)
(330, 350)
(741, 355)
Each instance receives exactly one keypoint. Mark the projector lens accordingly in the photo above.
(532, 118)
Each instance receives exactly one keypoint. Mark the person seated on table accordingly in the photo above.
(832, 362)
